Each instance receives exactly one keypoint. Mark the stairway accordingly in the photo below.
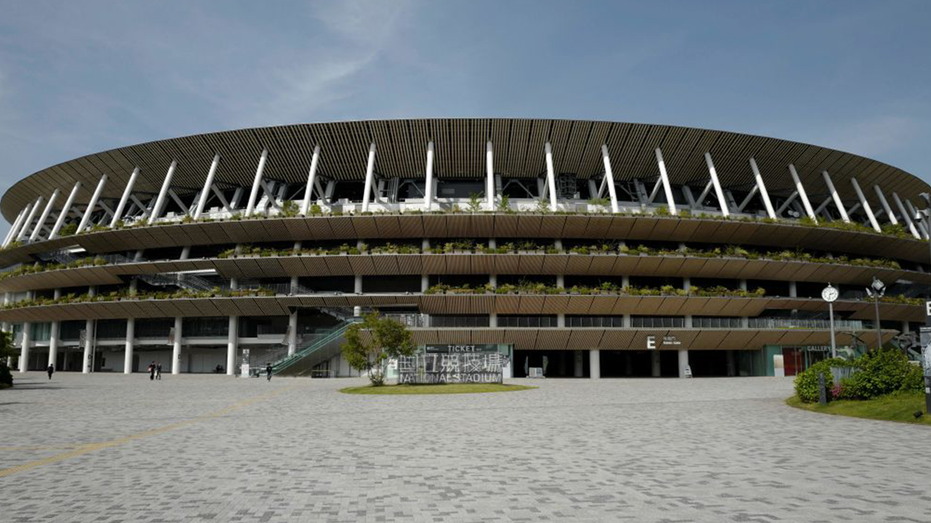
(318, 350)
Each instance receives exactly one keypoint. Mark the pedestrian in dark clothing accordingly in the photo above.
(51, 370)
(158, 371)
(268, 371)
(151, 370)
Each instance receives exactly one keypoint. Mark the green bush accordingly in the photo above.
(806, 383)
(6, 379)
(882, 372)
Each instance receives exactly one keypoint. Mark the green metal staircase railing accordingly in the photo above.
(290, 364)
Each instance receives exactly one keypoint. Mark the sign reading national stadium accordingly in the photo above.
(583, 248)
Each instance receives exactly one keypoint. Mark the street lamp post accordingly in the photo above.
(876, 290)
(829, 294)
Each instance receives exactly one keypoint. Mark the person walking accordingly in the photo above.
(268, 371)
(158, 370)
(50, 370)
(151, 370)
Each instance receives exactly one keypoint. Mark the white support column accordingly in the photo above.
(92, 203)
(550, 175)
(802, 194)
(836, 197)
(24, 347)
(885, 204)
(718, 190)
(609, 177)
(311, 180)
(683, 362)
(905, 216)
(257, 183)
(763, 193)
(89, 339)
(54, 335)
(208, 184)
(176, 347)
(913, 213)
(292, 333)
(370, 174)
(866, 205)
(118, 213)
(14, 229)
(664, 177)
(490, 176)
(130, 340)
(44, 216)
(232, 345)
(594, 364)
(162, 193)
(24, 227)
(428, 183)
(64, 211)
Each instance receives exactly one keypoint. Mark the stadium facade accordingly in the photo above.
(588, 249)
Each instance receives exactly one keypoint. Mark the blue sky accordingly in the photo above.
(79, 77)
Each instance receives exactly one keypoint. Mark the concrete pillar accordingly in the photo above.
(428, 182)
(163, 192)
(176, 347)
(232, 345)
(357, 287)
(24, 347)
(118, 213)
(292, 333)
(683, 362)
(579, 363)
(493, 319)
(655, 367)
(130, 338)
(594, 363)
(53, 344)
(257, 184)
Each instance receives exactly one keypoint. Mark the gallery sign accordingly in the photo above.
(453, 364)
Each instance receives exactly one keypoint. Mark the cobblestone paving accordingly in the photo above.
(109, 448)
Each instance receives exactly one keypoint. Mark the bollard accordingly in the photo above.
(822, 394)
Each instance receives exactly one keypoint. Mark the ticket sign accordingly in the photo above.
(460, 349)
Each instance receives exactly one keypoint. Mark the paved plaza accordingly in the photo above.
(110, 448)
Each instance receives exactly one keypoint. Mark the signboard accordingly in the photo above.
(666, 342)
(457, 364)
(244, 367)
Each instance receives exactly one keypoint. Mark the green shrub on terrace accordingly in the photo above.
(68, 230)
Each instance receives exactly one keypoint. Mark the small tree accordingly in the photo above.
(387, 339)
(6, 351)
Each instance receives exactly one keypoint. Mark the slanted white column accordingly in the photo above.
(208, 185)
(89, 339)
(905, 216)
(490, 176)
(232, 345)
(130, 339)
(835, 197)
(764, 194)
(664, 177)
(370, 174)
(866, 205)
(609, 174)
(311, 180)
(14, 229)
(160, 201)
(594, 364)
(24, 347)
(257, 183)
(885, 205)
(176, 347)
(913, 213)
(716, 182)
(802, 194)
(428, 184)
(44, 216)
(92, 203)
(64, 211)
(24, 227)
(118, 213)
(550, 175)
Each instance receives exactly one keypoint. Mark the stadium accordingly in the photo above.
(587, 249)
